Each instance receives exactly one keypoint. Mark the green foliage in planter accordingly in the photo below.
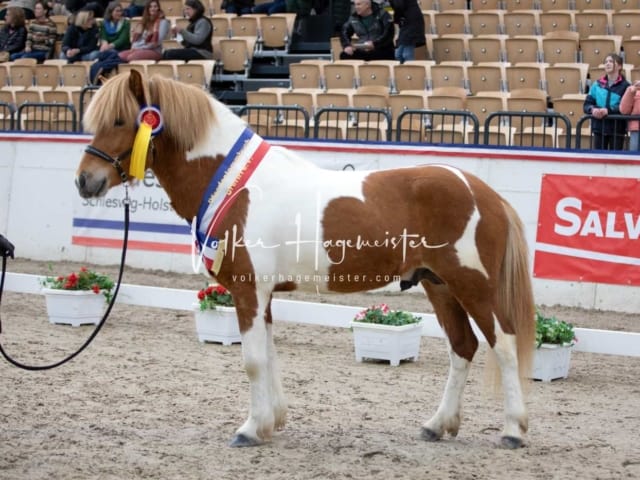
(552, 330)
(383, 315)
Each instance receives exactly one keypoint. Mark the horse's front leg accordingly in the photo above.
(267, 409)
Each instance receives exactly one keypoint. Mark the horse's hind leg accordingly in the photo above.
(462, 344)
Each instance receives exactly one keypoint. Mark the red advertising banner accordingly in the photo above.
(588, 229)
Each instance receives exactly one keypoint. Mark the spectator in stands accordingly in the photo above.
(148, 35)
(6, 247)
(135, 8)
(239, 7)
(408, 16)
(374, 28)
(115, 29)
(41, 35)
(604, 99)
(269, 8)
(80, 42)
(630, 105)
(196, 37)
(13, 35)
(26, 5)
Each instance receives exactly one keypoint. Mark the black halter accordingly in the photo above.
(115, 161)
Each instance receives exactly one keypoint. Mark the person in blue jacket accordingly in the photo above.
(604, 99)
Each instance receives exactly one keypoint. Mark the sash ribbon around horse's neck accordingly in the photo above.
(227, 182)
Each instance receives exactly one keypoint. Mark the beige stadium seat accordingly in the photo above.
(377, 73)
(305, 75)
(411, 127)
(445, 75)
(74, 75)
(589, 23)
(341, 74)
(525, 75)
(486, 77)
(276, 31)
(523, 49)
(21, 74)
(560, 47)
(245, 26)
(236, 56)
(453, 22)
(550, 5)
(565, 79)
(412, 75)
(487, 48)
(485, 22)
(48, 75)
(556, 20)
(626, 23)
(450, 48)
(632, 51)
(197, 74)
(594, 50)
(521, 22)
(445, 5)
(527, 100)
(221, 25)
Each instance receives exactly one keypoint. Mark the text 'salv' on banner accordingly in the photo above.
(588, 229)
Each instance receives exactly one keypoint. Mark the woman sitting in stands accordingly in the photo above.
(148, 35)
(115, 29)
(41, 36)
(196, 38)
(13, 36)
(80, 42)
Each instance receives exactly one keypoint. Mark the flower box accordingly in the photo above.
(74, 307)
(219, 325)
(551, 361)
(386, 342)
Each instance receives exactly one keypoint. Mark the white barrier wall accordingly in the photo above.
(39, 200)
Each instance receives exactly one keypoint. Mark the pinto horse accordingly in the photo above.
(267, 220)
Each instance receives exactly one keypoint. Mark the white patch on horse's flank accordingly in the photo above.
(213, 143)
(466, 247)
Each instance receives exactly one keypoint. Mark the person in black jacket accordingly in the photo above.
(80, 42)
(408, 16)
(13, 35)
(603, 99)
(6, 247)
(374, 28)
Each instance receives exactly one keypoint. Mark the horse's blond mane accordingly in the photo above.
(186, 109)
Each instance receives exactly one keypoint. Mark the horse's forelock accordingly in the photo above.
(186, 110)
(114, 101)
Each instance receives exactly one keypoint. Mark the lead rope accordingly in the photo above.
(104, 317)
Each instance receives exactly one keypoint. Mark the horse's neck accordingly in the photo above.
(185, 181)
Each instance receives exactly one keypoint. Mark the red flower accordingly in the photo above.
(201, 295)
(83, 269)
(220, 290)
(95, 288)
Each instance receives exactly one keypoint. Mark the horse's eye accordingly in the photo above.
(119, 122)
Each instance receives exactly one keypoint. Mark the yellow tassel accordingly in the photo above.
(140, 150)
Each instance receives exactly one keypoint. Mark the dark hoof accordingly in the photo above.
(241, 440)
(512, 442)
(429, 435)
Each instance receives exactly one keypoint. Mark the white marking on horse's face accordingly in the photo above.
(220, 138)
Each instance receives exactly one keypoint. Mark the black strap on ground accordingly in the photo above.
(102, 321)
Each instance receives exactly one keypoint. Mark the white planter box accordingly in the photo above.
(551, 362)
(74, 307)
(219, 325)
(385, 342)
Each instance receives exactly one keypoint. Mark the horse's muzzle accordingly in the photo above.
(89, 186)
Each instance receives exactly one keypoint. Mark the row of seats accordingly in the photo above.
(557, 47)
(554, 80)
(480, 5)
(25, 73)
(443, 116)
(532, 22)
(450, 101)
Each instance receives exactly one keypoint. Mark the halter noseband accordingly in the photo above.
(115, 161)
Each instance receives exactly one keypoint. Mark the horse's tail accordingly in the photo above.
(515, 295)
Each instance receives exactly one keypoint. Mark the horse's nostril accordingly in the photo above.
(81, 180)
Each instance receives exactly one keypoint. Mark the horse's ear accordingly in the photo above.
(135, 84)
